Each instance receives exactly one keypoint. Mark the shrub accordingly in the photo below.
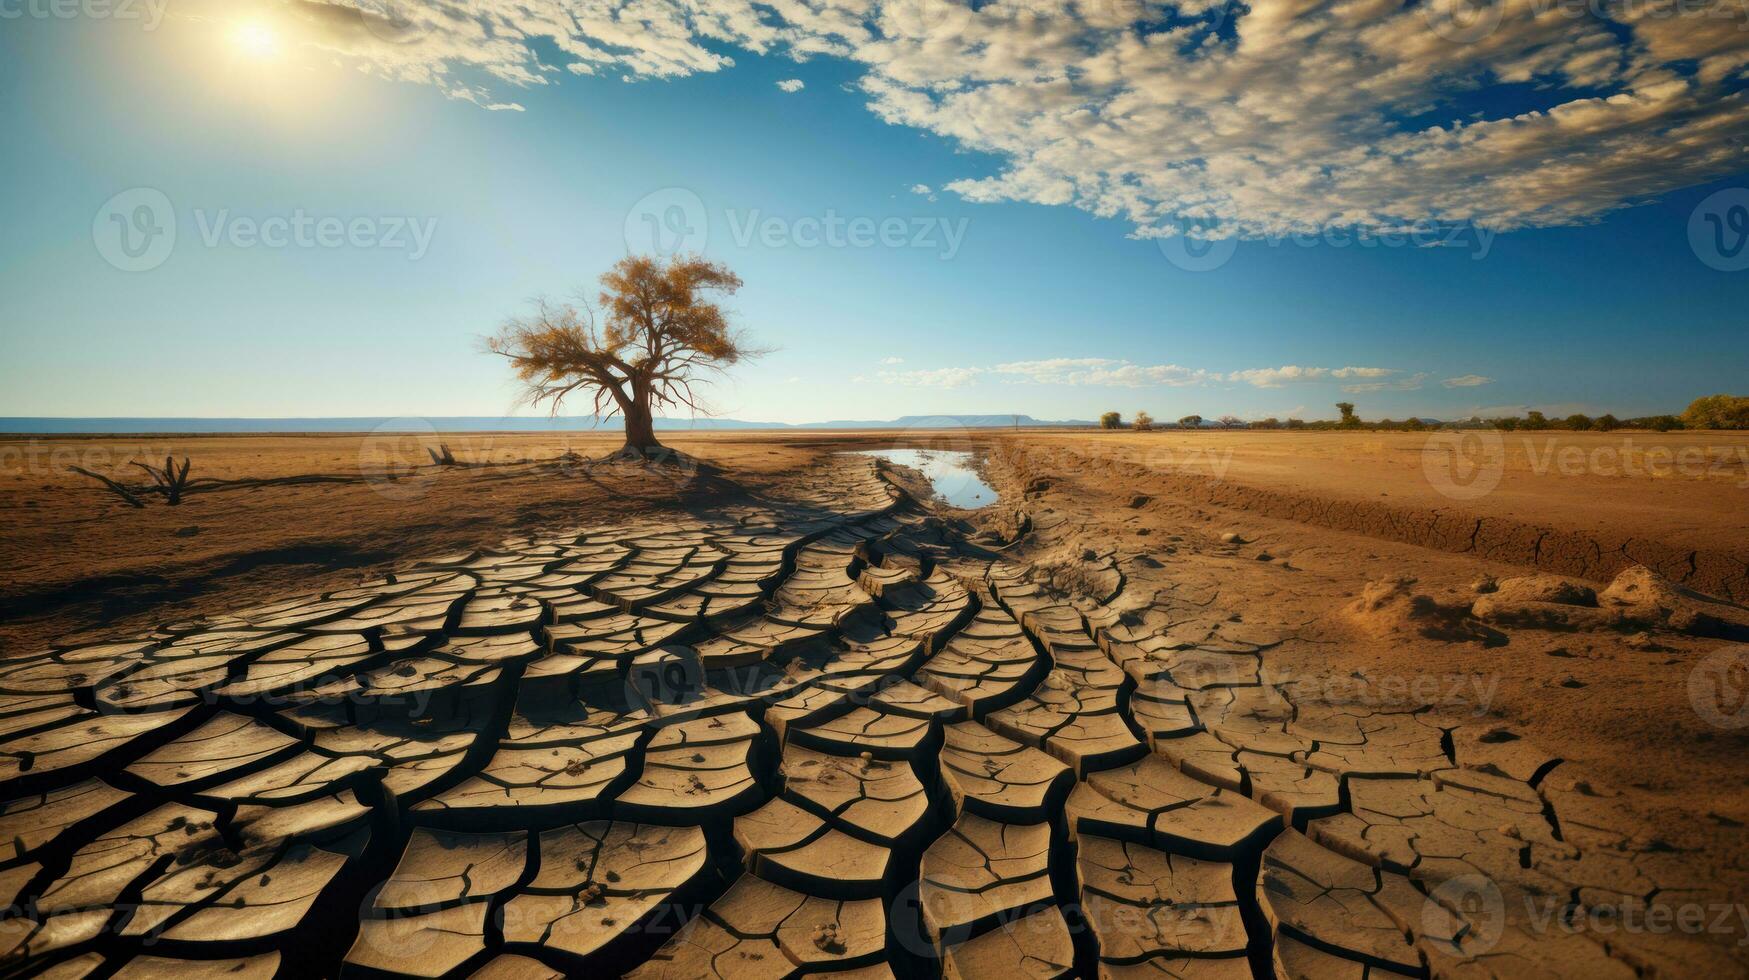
(1232, 422)
(1144, 422)
(1296, 423)
(1111, 420)
(1269, 423)
(1606, 423)
(1535, 420)
(1505, 424)
(1657, 423)
(1578, 422)
(1717, 412)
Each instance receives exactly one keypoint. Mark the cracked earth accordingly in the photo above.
(841, 733)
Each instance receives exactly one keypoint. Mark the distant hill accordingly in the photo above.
(470, 423)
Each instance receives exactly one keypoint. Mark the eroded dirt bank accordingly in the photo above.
(1587, 505)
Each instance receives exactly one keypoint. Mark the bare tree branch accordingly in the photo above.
(656, 338)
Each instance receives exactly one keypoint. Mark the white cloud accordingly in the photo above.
(1467, 381)
(949, 377)
(1293, 374)
(1117, 373)
(1412, 384)
(791, 85)
(1102, 371)
(1295, 117)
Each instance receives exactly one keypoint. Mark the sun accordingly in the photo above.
(256, 40)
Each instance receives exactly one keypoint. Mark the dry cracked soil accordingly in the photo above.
(833, 728)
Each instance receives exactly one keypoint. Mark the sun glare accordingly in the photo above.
(256, 40)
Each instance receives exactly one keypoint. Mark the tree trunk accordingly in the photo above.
(640, 426)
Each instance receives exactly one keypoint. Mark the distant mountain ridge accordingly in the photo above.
(480, 423)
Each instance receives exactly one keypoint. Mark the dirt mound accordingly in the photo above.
(1392, 606)
(1638, 600)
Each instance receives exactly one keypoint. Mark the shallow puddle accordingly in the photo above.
(950, 474)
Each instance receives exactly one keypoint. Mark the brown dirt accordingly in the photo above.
(75, 557)
(1329, 567)
(1585, 504)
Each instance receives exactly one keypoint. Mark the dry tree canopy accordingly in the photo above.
(659, 333)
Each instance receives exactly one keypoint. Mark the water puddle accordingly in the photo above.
(950, 474)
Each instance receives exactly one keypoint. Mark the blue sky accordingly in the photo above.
(1031, 278)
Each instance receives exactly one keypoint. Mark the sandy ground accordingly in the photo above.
(1585, 695)
(1572, 503)
(76, 557)
(1352, 573)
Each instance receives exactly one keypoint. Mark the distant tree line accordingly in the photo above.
(1711, 412)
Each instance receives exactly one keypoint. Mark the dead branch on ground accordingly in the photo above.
(114, 487)
(169, 480)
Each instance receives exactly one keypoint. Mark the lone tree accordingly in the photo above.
(1144, 422)
(1111, 420)
(1190, 422)
(658, 335)
(1349, 419)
